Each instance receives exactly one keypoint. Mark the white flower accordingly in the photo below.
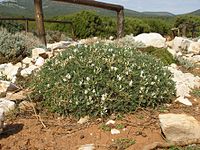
(80, 83)
(88, 78)
(141, 74)
(86, 91)
(113, 68)
(104, 96)
(68, 76)
(155, 77)
(119, 77)
(131, 83)
(93, 91)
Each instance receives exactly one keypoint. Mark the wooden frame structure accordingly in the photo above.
(31, 19)
(40, 19)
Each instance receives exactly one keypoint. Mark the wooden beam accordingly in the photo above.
(40, 21)
(95, 4)
(120, 23)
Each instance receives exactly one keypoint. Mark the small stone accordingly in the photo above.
(115, 131)
(39, 61)
(83, 120)
(184, 101)
(6, 105)
(87, 147)
(110, 122)
(28, 71)
(27, 61)
(37, 51)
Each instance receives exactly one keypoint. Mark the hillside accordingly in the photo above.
(51, 9)
(197, 12)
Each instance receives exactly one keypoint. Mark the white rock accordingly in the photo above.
(173, 52)
(6, 105)
(110, 122)
(2, 118)
(87, 147)
(179, 127)
(27, 61)
(19, 65)
(151, 39)
(115, 131)
(37, 51)
(28, 71)
(11, 71)
(39, 61)
(184, 82)
(195, 59)
(198, 41)
(184, 101)
(59, 45)
(83, 120)
(194, 48)
(181, 44)
(111, 38)
(6, 86)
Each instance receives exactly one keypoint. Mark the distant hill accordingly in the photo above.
(51, 9)
(197, 12)
(167, 14)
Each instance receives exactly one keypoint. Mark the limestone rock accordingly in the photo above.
(58, 45)
(6, 86)
(87, 147)
(11, 71)
(115, 131)
(151, 39)
(37, 51)
(194, 48)
(83, 120)
(2, 118)
(184, 82)
(184, 101)
(39, 61)
(6, 105)
(181, 44)
(28, 71)
(179, 127)
(27, 61)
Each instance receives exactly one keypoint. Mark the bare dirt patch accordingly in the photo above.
(25, 132)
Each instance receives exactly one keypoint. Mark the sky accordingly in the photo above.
(173, 6)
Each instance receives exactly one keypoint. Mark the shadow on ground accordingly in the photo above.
(11, 129)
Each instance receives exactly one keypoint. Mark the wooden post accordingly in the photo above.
(120, 23)
(26, 26)
(40, 21)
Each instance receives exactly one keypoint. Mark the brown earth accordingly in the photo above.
(25, 132)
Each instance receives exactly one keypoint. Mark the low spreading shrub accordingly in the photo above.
(160, 53)
(14, 47)
(102, 79)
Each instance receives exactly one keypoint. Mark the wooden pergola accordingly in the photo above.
(117, 8)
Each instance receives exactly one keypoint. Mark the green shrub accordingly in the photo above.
(160, 53)
(102, 79)
(11, 26)
(87, 24)
(14, 47)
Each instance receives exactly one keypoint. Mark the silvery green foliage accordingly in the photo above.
(14, 45)
(102, 79)
(129, 42)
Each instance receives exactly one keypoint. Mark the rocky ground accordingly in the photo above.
(24, 127)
